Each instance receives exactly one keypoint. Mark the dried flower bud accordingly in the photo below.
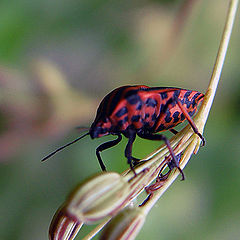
(125, 226)
(97, 198)
(63, 227)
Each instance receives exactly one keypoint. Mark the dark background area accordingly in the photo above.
(58, 59)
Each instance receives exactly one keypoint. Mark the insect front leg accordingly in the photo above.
(128, 150)
(150, 136)
(105, 146)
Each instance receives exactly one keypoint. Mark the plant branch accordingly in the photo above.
(186, 140)
(202, 115)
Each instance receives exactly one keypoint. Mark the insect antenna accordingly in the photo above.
(82, 128)
(64, 146)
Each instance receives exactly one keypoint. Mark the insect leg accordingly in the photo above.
(128, 149)
(137, 161)
(171, 165)
(162, 137)
(191, 122)
(173, 131)
(105, 146)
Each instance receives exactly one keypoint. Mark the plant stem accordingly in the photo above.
(186, 140)
(202, 115)
(217, 69)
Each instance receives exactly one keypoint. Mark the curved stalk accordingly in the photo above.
(185, 141)
(202, 115)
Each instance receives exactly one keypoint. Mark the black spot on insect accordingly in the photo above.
(121, 112)
(135, 118)
(192, 113)
(125, 119)
(154, 117)
(186, 100)
(187, 94)
(161, 127)
(176, 94)
(164, 95)
(170, 101)
(114, 101)
(194, 99)
(182, 117)
(133, 99)
(168, 117)
(176, 116)
(139, 105)
(163, 108)
(147, 115)
(151, 102)
(121, 122)
(173, 103)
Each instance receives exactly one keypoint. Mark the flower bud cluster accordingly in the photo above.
(63, 226)
(125, 225)
(91, 201)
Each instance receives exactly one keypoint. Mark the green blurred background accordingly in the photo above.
(58, 59)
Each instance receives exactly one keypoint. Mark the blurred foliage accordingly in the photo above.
(59, 58)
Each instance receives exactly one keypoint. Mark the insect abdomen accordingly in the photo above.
(171, 114)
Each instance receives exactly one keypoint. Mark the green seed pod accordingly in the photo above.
(63, 227)
(124, 226)
(98, 197)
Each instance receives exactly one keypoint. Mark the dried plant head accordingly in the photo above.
(105, 196)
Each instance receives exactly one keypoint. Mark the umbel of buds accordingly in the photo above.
(106, 194)
(98, 197)
(64, 226)
(125, 225)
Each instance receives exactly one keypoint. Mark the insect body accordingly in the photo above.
(143, 111)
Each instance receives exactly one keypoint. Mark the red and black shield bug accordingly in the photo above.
(143, 111)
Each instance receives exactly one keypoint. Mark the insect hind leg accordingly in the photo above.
(159, 137)
(172, 130)
(190, 120)
(171, 165)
